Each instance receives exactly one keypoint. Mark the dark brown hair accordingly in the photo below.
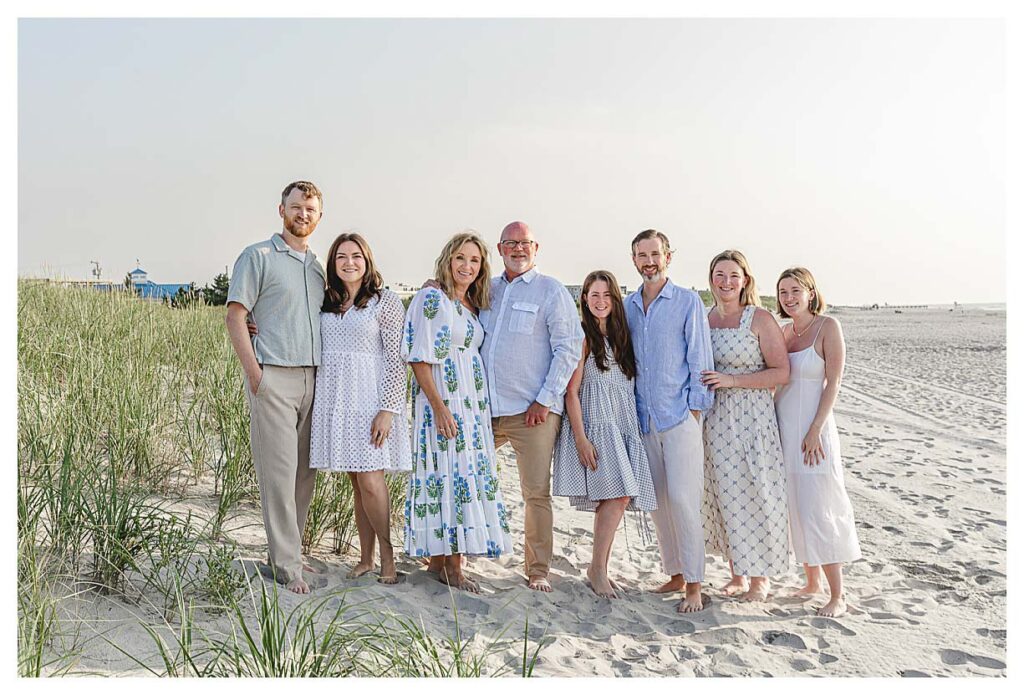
(335, 294)
(816, 305)
(307, 187)
(618, 329)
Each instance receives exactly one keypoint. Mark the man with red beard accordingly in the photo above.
(280, 283)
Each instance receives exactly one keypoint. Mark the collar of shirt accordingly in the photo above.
(526, 277)
(281, 245)
(668, 291)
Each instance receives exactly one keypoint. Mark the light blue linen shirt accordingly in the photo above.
(672, 344)
(533, 342)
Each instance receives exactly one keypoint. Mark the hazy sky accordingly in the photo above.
(870, 151)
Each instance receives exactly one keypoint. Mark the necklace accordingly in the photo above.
(798, 333)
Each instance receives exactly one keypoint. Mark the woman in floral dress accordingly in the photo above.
(453, 506)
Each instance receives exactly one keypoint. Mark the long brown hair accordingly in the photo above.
(479, 292)
(618, 329)
(335, 295)
(748, 295)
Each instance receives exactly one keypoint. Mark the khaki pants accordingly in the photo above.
(534, 447)
(280, 416)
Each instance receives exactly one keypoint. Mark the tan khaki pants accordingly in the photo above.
(534, 447)
(280, 415)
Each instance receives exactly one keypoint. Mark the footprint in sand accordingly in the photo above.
(832, 624)
(778, 638)
(955, 657)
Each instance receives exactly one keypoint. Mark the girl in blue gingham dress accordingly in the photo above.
(600, 461)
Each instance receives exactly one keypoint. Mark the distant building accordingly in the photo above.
(144, 287)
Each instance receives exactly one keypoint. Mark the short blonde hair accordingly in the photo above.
(479, 292)
(748, 295)
(804, 278)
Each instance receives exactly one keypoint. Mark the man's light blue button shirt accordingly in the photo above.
(672, 344)
(533, 342)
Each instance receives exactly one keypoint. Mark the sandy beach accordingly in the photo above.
(922, 417)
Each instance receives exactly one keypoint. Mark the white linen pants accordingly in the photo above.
(677, 471)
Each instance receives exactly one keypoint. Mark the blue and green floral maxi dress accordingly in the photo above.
(453, 504)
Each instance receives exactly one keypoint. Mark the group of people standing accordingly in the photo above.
(716, 422)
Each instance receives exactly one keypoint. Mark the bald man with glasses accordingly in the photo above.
(532, 345)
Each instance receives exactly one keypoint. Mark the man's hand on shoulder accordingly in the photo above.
(536, 414)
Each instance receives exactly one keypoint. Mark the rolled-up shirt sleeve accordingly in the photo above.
(566, 333)
(699, 356)
(244, 285)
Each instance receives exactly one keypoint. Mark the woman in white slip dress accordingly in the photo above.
(744, 506)
(820, 514)
(600, 461)
(359, 425)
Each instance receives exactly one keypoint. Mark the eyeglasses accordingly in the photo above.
(511, 245)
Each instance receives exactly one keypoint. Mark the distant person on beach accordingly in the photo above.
(280, 283)
(600, 461)
(531, 351)
(359, 423)
(820, 515)
(672, 343)
(453, 506)
(745, 517)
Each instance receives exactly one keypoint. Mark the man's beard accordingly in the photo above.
(295, 229)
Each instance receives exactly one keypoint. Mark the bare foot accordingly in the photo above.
(600, 584)
(758, 590)
(360, 569)
(833, 609)
(435, 564)
(693, 601)
(615, 585)
(457, 580)
(676, 583)
(806, 592)
(298, 586)
(388, 573)
(737, 585)
(539, 584)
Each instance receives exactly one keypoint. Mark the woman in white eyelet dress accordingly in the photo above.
(359, 425)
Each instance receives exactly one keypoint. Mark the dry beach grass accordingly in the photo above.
(138, 516)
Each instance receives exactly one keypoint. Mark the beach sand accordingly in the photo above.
(922, 419)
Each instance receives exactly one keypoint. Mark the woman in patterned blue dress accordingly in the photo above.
(453, 506)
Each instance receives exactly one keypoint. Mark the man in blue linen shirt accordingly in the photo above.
(532, 346)
(672, 343)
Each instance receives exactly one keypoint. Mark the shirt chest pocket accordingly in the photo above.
(524, 316)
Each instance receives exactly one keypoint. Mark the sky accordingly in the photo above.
(868, 150)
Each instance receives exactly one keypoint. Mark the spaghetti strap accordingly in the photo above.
(818, 332)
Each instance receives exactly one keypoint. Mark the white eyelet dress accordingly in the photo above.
(820, 513)
(361, 372)
(744, 509)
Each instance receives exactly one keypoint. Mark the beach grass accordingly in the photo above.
(128, 412)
